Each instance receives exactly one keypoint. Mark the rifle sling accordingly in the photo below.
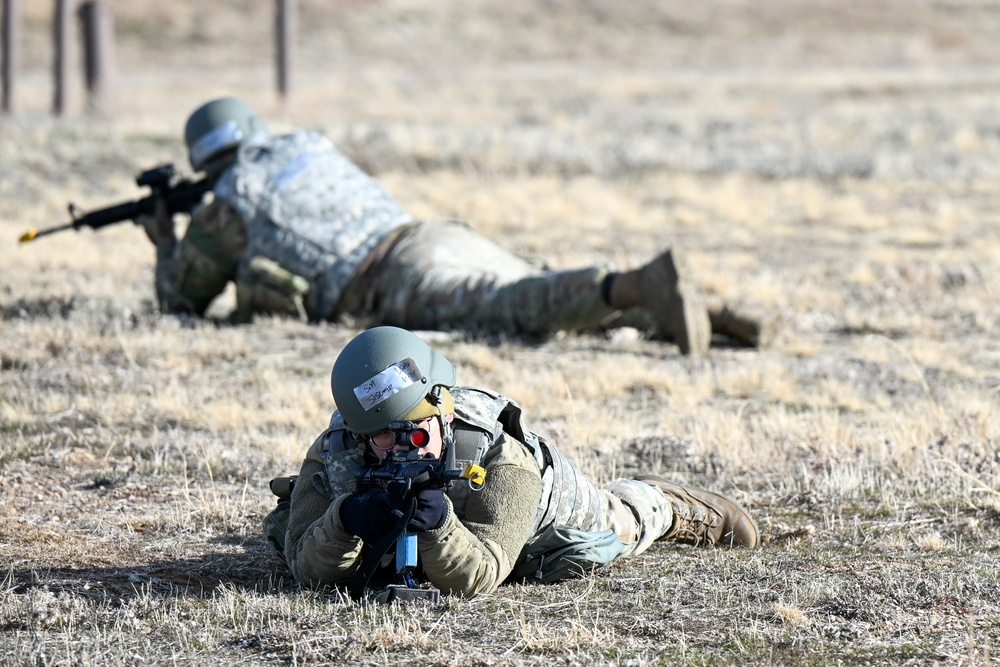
(374, 557)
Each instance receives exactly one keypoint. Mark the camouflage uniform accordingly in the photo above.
(443, 275)
(291, 223)
(534, 503)
(302, 230)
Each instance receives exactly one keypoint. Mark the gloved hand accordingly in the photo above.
(159, 225)
(430, 513)
(368, 515)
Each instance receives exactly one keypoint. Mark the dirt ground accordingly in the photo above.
(834, 164)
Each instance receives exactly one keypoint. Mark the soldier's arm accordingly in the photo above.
(476, 554)
(318, 549)
(191, 272)
(264, 286)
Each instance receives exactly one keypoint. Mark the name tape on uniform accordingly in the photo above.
(380, 387)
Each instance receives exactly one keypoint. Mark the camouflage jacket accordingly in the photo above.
(295, 201)
(487, 534)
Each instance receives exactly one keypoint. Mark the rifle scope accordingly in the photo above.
(408, 435)
(155, 177)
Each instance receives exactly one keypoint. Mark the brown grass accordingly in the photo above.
(833, 162)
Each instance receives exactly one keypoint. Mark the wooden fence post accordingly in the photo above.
(98, 45)
(62, 38)
(11, 52)
(285, 27)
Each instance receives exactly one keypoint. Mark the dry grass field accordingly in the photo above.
(836, 162)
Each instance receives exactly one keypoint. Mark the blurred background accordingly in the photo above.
(820, 86)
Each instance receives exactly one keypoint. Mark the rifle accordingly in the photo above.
(179, 197)
(411, 473)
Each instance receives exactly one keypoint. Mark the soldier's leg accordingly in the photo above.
(668, 511)
(648, 509)
(642, 510)
(663, 289)
(705, 518)
(190, 274)
(444, 275)
(555, 301)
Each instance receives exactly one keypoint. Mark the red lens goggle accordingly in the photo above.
(406, 434)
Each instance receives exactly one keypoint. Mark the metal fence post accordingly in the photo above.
(98, 45)
(11, 52)
(285, 27)
(62, 41)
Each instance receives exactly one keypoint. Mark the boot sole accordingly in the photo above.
(685, 318)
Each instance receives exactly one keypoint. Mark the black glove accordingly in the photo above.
(430, 512)
(368, 515)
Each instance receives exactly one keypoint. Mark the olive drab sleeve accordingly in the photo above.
(442, 274)
(318, 549)
(263, 286)
(191, 272)
(476, 554)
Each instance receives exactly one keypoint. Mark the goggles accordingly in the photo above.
(408, 435)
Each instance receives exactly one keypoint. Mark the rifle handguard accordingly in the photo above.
(181, 196)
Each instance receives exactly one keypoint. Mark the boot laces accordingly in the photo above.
(694, 523)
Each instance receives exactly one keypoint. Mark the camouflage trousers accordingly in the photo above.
(444, 275)
(649, 514)
(638, 512)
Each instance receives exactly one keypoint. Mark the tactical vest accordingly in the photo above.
(311, 210)
(482, 417)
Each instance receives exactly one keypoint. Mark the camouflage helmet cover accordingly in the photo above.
(382, 375)
(216, 129)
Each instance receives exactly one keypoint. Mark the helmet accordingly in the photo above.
(383, 375)
(216, 129)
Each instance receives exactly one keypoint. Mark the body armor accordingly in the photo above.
(482, 419)
(311, 210)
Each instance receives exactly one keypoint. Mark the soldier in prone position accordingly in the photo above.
(303, 231)
(535, 518)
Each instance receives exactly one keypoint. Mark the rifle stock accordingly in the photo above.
(179, 197)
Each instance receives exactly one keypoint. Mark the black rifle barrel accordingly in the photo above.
(179, 198)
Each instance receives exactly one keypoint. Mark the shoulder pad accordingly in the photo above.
(337, 422)
(479, 407)
(336, 438)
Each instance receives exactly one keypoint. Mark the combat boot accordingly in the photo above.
(751, 328)
(663, 288)
(703, 518)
